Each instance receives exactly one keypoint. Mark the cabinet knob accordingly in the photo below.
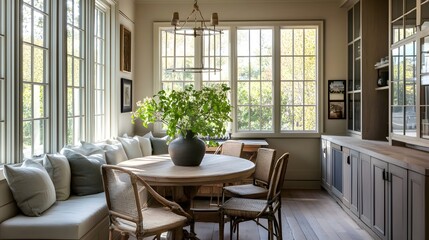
(348, 160)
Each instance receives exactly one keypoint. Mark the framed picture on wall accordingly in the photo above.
(125, 49)
(336, 99)
(126, 95)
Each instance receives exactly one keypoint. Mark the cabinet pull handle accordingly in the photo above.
(384, 175)
(348, 160)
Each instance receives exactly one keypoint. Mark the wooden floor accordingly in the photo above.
(306, 214)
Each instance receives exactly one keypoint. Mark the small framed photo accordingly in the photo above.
(126, 95)
(125, 64)
(336, 99)
(337, 110)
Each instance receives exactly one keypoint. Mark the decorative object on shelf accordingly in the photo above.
(126, 95)
(383, 79)
(336, 99)
(125, 64)
(383, 62)
(187, 114)
(195, 25)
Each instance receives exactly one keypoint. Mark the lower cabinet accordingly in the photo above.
(417, 189)
(388, 199)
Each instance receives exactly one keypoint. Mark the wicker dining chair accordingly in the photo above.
(230, 148)
(246, 209)
(136, 209)
(264, 165)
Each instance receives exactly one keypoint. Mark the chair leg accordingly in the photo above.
(111, 231)
(125, 236)
(279, 212)
(221, 224)
(270, 230)
(230, 228)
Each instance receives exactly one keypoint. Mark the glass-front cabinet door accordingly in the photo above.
(354, 69)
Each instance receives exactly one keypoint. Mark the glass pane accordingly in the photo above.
(357, 112)
(39, 64)
(287, 118)
(77, 101)
(310, 118)
(350, 61)
(410, 24)
(397, 8)
(243, 43)
(27, 110)
(310, 68)
(27, 141)
(424, 112)
(350, 111)
(38, 101)
(2, 143)
(255, 47)
(266, 93)
(243, 68)
(397, 30)
(425, 16)
(357, 75)
(398, 120)
(287, 93)
(356, 22)
(39, 29)
(243, 118)
(77, 13)
(255, 118)
(26, 25)
(310, 41)
(298, 68)
(410, 121)
(40, 4)
(266, 42)
(2, 57)
(243, 93)
(286, 41)
(298, 92)
(255, 68)
(267, 118)
(350, 25)
(298, 41)
(77, 40)
(255, 93)
(2, 104)
(309, 93)
(286, 68)
(266, 68)
(298, 115)
(425, 56)
(38, 139)
(70, 127)
(27, 59)
(409, 5)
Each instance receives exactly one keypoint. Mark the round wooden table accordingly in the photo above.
(159, 170)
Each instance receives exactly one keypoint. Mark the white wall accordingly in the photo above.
(127, 18)
(304, 165)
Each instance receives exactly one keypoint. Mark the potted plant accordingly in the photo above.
(187, 114)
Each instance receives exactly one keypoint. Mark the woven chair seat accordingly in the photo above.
(155, 220)
(244, 207)
(246, 191)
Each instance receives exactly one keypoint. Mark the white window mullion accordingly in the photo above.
(276, 77)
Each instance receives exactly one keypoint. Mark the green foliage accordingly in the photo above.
(203, 112)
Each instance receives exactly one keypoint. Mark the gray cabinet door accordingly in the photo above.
(397, 202)
(416, 206)
(347, 175)
(365, 189)
(328, 166)
(354, 165)
(379, 199)
(337, 170)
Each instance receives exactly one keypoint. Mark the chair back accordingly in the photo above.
(278, 176)
(123, 195)
(231, 148)
(264, 165)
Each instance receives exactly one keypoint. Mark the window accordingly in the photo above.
(100, 73)
(2, 80)
(76, 72)
(273, 69)
(298, 74)
(35, 76)
(255, 80)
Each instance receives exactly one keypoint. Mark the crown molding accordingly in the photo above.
(235, 1)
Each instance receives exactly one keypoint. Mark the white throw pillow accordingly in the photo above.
(145, 145)
(31, 186)
(115, 153)
(131, 147)
(58, 169)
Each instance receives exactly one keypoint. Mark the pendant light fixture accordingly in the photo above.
(195, 25)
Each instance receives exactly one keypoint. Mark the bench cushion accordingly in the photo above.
(70, 219)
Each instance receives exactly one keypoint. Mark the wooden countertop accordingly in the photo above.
(414, 160)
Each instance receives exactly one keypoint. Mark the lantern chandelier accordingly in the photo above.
(195, 25)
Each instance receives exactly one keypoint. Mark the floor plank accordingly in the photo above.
(306, 214)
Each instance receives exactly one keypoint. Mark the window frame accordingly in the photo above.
(276, 25)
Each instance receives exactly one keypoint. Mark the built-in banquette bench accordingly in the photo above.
(79, 217)
(76, 217)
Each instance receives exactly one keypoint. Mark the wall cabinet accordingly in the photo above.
(367, 109)
(383, 186)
